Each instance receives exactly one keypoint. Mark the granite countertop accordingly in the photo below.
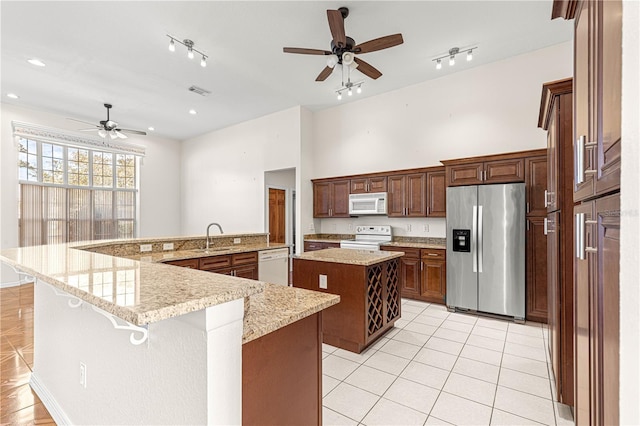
(399, 241)
(169, 256)
(143, 292)
(328, 238)
(278, 306)
(415, 245)
(350, 256)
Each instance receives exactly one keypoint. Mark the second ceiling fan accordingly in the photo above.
(345, 48)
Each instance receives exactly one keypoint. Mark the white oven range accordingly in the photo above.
(368, 237)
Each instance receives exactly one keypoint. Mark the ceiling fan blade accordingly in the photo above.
(80, 121)
(326, 72)
(135, 132)
(379, 43)
(120, 134)
(303, 51)
(367, 69)
(336, 25)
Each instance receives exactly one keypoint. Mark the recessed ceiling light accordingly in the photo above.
(151, 128)
(36, 62)
(12, 96)
(193, 112)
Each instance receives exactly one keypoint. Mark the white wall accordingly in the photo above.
(630, 218)
(223, 171)
(159, 178)
(485, 110)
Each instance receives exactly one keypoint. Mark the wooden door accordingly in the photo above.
(465, 174)
(536, 185)
(536, 270)
(609, 83)
(277, 214)
(410, 272)
(436, 194)
(582, 92)
(416, 195)
(584, 271)
(321, 199)
(433, 285)
(340, 198)
(503, 171)
(396, 196)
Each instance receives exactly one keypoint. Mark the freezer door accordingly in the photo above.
(462, 280)
(501, 249)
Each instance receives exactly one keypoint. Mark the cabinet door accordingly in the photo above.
(609, 80)
(584, 122)
(359, 186)
(433, 286)
(536, 278)
(247, 271)
(410, 276)
(321, 199)
(378, 184)
(501, 171)
(395, 197)
(185, 263)
(554, 299)
(215, 262)
(340, 199)
(553, 164)
(436, 194)
(536, 185)
(416, 195)
(465, 174)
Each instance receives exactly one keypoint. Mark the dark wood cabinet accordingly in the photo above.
(331, 199)
(319, 245)
(433, 283)
(185, 263)
(502, 168)
(409, 271)
(407, 195)
(437, 193)
(369, 184)
(536, 270)
(536, 185)
(465, 174)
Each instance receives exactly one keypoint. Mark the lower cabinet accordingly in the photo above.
(243, 265)
(319, 245)
(422, 273)
(536, 270)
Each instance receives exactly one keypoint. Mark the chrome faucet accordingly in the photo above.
(208, 227)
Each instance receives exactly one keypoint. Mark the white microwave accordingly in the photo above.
(373, 203)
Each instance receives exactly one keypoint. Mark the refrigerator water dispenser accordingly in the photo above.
(462, 240)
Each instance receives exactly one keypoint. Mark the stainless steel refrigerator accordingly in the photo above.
(486, 249)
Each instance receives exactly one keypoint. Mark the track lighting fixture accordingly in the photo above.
(191, 51)
(348, 86)
(452, 56)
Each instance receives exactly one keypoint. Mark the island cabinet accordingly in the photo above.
(331, 198)
(407, 195)
(367, 283)
(363, 185)
(319, 245)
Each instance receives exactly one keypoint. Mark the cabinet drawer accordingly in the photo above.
(244, 258)
(431, 254)
(504, 171)
(186, 263)
(215, 262)
(409, 252)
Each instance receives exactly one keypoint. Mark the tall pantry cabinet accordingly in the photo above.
(597, 149)
(556, 117)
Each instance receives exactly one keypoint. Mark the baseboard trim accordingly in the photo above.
(59, 416)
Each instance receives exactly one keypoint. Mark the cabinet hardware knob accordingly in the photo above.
(591, 222)
(591, 249)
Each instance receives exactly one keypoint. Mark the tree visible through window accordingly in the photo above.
(74, 194)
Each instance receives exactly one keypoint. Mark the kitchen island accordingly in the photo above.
(367, 283)
(124, 341)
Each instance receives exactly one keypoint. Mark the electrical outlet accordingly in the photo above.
(409, 227)
(144, 248)
(167, 246)
(350, 227)
(311, 227)
(426, 227)
(334, 227)
(236, 240)
(83, 375)
(323, 281)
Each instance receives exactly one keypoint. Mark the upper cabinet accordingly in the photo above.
(436, 193)
(368, 184)
(536, 185)
(331, 198)
(407, 195)
(484, 170)
(597, 98)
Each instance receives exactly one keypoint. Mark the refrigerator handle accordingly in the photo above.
(474, 234)
(480, 261)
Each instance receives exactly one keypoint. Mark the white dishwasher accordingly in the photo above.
(273, 266)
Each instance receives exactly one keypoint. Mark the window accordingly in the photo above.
(70, 194)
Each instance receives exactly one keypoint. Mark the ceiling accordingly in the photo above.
(117, 52)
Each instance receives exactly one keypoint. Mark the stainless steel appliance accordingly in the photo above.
(372, 203)
(486, 249)
(368, 238)
(273, 266)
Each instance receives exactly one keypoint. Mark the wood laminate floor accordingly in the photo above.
(19, 404)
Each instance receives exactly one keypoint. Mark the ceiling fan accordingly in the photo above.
(109, 127)
(344, 49)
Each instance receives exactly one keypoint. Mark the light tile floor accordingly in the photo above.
(436, 367)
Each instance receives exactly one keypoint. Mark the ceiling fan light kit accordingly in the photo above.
(343, 51)
(452, 56)
(190, 49)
